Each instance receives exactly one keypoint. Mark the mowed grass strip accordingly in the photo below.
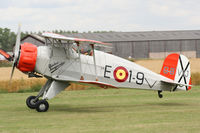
(104, 111)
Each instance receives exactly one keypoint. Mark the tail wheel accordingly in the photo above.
(42, 106)
(159, 94)
(31, 102)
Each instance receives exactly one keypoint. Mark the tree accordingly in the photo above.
(7, 39)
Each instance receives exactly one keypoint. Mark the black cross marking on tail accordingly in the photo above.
(183, 74)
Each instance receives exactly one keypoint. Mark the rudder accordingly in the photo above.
(177, 68)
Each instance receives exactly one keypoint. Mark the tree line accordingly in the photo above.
(8, 37)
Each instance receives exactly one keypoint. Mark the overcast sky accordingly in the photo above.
(93, 15)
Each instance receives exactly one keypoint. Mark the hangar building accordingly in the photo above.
(150, 44)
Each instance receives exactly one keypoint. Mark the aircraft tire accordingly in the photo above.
(30, 102)
(42, 106)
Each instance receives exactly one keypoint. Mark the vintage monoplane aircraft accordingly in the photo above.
(64, 60)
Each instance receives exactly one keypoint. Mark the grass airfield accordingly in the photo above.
(104, 111)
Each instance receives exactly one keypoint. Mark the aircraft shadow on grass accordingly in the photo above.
(108, 108)
(167, 104)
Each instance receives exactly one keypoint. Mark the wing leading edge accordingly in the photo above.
(81, 41)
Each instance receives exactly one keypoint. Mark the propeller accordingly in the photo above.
(16, 51)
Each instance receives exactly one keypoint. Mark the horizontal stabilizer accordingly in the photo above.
(176, 83)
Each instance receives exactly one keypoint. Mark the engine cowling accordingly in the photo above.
(28, 57)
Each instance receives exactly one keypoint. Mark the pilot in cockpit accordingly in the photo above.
(84, 49)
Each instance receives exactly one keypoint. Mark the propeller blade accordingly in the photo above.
(16, 52)
(17, 44)
(13, 68)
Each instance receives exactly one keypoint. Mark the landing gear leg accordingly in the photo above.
(32, 101)
(47, 92)
(159, 94)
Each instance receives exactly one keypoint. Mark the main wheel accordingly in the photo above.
(42, 106)
(31, 102)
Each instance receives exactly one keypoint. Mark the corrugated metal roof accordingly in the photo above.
(139, 36)
(135, 36)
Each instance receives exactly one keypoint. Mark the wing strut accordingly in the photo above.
(81, 71)
(95, 66)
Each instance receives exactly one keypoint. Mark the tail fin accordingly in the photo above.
(177, 68)
(6, 55)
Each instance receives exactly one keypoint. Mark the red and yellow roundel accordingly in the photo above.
(120, 74)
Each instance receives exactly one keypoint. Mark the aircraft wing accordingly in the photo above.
(81, 41)
(63, 78)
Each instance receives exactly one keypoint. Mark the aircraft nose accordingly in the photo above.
(28, 57)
